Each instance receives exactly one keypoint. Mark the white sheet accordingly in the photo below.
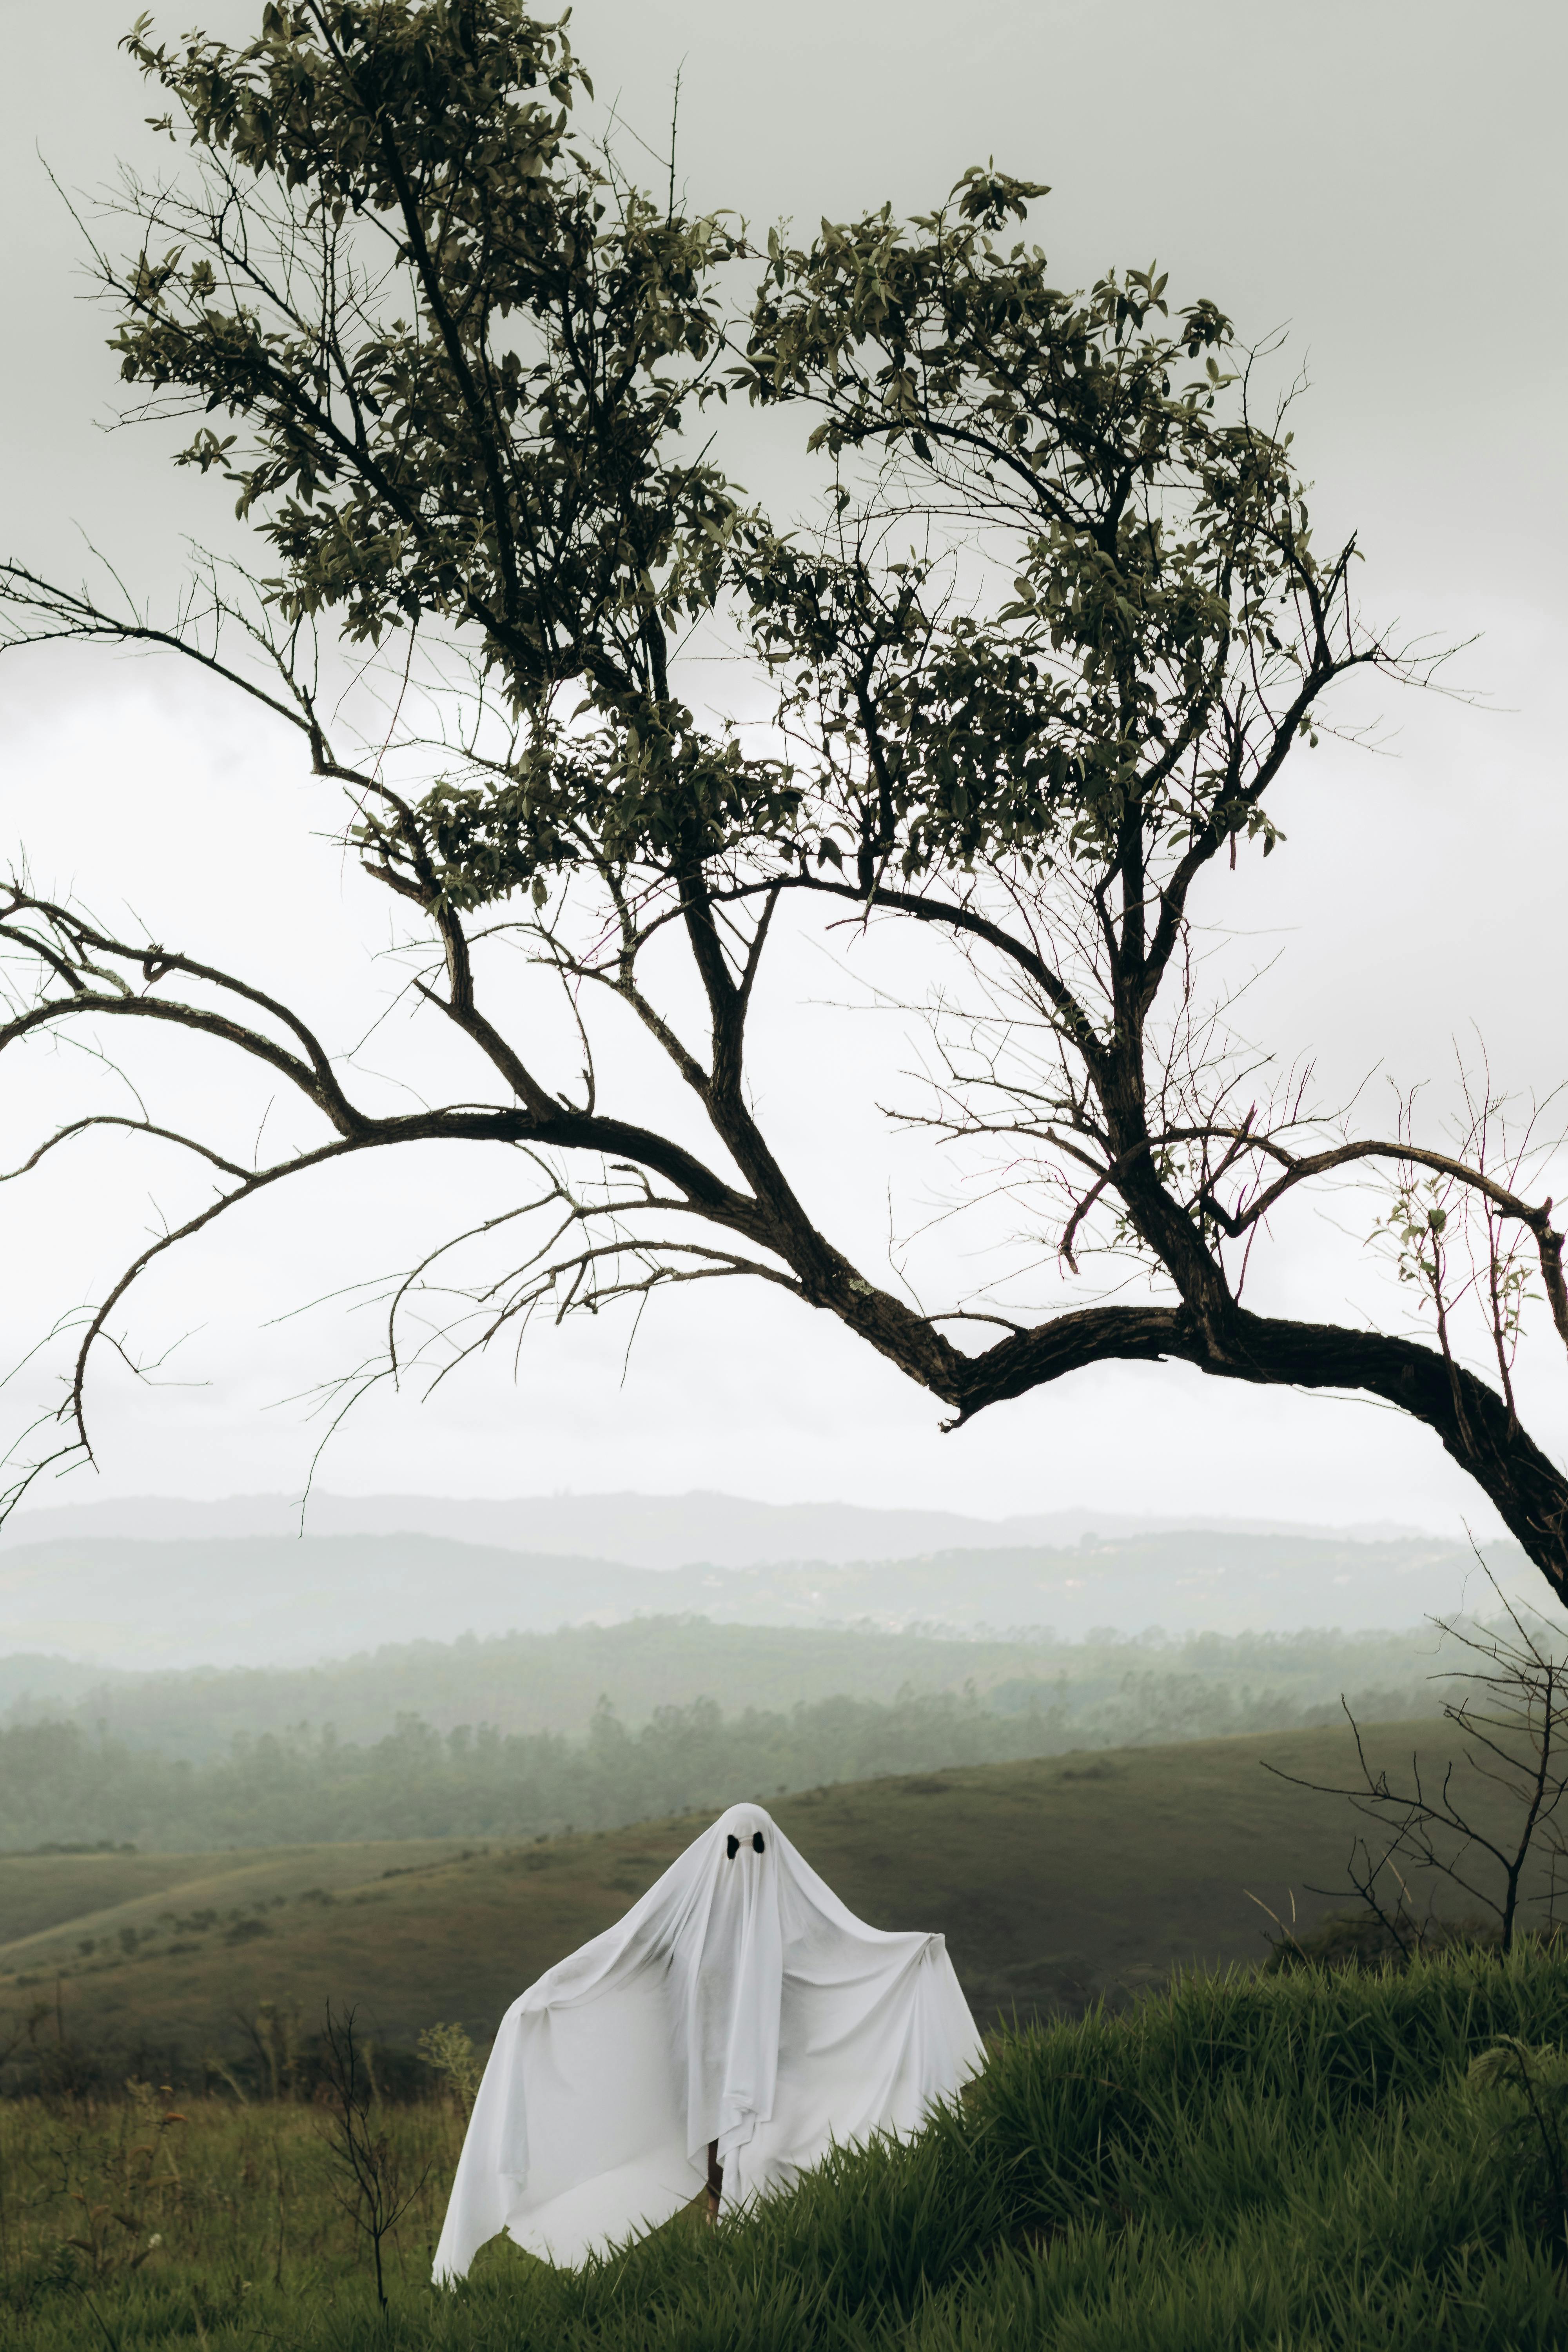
(737, 2001)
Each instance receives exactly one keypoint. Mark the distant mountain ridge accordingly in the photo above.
(257, 1600)
(645, 1531)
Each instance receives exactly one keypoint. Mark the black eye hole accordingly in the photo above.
(732, 1845)
(756, 1841)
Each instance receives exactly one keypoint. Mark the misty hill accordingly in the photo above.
(65, 1789)
(638, 1530)
(271, 1601)
(551, 1683)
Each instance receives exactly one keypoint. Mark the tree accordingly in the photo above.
(1509, 1713)
(1033, 675)
(370, 2183)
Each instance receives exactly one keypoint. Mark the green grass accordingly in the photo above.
(1054, 1882)
(1292, 2162)
(47, 1900)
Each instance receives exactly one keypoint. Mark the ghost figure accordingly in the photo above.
(736, 2024)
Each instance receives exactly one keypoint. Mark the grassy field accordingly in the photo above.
(1053, 1882)
(1306, 2161)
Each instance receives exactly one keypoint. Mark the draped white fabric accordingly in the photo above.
(738, 2000)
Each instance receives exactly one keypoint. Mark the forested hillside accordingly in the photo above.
(1149, 1687)
(64, 1784)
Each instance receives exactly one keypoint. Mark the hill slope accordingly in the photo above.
(1051, 1880)
(1305, 2161)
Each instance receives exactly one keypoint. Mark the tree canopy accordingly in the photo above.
(1027, 674)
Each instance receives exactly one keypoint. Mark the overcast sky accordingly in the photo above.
(1383, 180)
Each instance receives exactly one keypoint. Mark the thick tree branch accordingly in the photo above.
(1470, 1420)
(1301, 1167)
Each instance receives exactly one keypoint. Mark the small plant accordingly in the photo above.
(274, 2037)
(370, 2187)
(449, 2053)
(113, 2228)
